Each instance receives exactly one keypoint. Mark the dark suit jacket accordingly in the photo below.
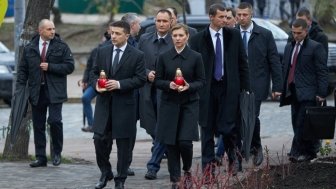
(60, 64)
(264, 62)
(120, 103)
(149, 44)
(235, 67)
(311, 72)
(179, 111)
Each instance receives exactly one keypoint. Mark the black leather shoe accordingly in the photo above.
(258, 157)
(234, 167)
(119, 185)
(293, 159)
(150, 175)
(175, 185)
(305, 158)
(240, 166)
(87, 129)
(38, 163)
(57, 159)
(218, 161)
(130, 172)
(103, 180)
(165, 156)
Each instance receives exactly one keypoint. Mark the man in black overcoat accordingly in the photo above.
(219, 99)
(46, 62)
(315, 32)
(153, 44)
(264, 63)
(115, 112)
(306, 81)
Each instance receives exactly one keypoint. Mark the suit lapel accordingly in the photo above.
(208, 42)
(226, 40)
(108, 61)
(48, 49)
(255, 31)
(210, 50)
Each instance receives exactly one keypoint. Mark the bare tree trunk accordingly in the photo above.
(57, 15)
(36, 11)
(114, 9)
(19, 150)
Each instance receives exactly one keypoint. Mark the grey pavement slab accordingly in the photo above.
(276, 133)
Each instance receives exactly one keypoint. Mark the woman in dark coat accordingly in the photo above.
(178, 114)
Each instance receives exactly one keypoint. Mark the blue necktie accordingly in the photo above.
(219, 60)
(245, 41)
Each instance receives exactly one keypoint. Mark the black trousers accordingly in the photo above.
(216, 117)
(103, 147)
(182, 149)
(39, 113)
(130, 150)
(300, 146)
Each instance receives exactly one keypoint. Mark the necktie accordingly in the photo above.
(116, 60)
(218, 59)
(160, 43)
(245, 41)
(43, 59)
(293, 65)
(43, 53)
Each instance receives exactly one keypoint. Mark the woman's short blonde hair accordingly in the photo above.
(179, 26)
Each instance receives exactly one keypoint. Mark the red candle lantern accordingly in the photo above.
(102, 80)
(179, 80)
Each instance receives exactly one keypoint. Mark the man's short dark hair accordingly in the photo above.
(230, 9)
(300, 23)
(165, 11)
(245, 5)
(304, 11)
(122, 24)
(214, 7)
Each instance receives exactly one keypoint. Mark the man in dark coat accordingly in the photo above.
(220, 96)
(264, 62)
(306, 80)
(315, 32)
(115, 112)
(46, 62)
(153, 44)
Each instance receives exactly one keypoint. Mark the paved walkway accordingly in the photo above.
(84, 173)
(78, 146)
